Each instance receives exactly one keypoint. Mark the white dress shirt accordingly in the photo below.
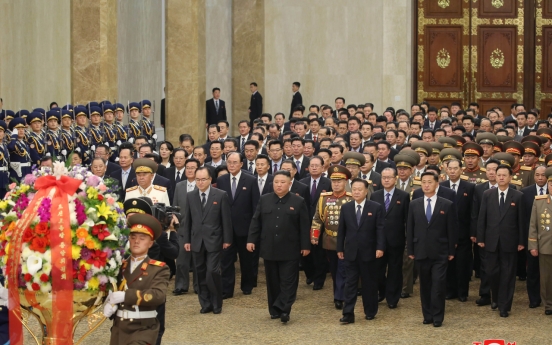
(361, 206)
(544, 189)
(433, 201)
(190, 185)
(262, 181)
(505, 194)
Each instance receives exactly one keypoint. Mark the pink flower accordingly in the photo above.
(80, 241)
(12, 185)
(102, 187)
(29, 179)
(110, 201)
(93, 181)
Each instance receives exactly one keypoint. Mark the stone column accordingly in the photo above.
(93, 50)
(247, 55)
(185, 70)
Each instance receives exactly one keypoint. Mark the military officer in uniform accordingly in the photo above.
(142, 287)
(353, 162)
(20, 161)
(473, 173)
(446, 155)
(145, 169)
(487, 141)
(35, 138)
(82, 136)
(148, 127)
(540, 241)
(434, 157)
(325, 224)
(509, 160)
(122, 130)
(67, 135)
(95, 130)
(4, 160)
(424, 150)
(110, 131)
(545, 133)
(519, 173)
(405, 162)
(134, 125)
(53, 140)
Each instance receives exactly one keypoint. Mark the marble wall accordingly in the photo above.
(35, 60)
(357, 49)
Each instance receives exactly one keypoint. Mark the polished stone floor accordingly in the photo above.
(314, 320)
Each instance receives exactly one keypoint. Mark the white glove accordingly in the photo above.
(109, 309)
(117, 297)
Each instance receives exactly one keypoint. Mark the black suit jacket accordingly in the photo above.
(212, 116)
(111, 168)
(301, 189)
(382, 165)
(375, 178)
(131, 181)
(244, 203)
(505, 228)
(395, 217)
(529, 194)
(170, 174)
(324, 185)
(255, 106)
(295, 101)
(437, 124)
(304, 172)
(443, 192)
(477, 197)
(464, 203)
(437, 239)
(364, 238)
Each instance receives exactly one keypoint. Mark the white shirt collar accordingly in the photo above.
(238, 175)
(544, 189)
(361, 205)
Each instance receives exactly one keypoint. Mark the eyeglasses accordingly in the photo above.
(201, 180)
(387, 177)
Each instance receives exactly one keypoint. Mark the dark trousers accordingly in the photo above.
(485, 285)
(501, 269)
(433, 285)
(390, 284)
(207, 265)
(315, 265)
(367, 272)
(282, 279)
(229, 257)
(337, 270)
(521, 270)
(161, 318)
(459, 270)
(255, 264)
(533, 278)
(476, 259)
(183, 265)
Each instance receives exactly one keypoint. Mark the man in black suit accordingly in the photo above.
(533, 275)
(243, 192)
(103, 151)
(396, 203)
(297, 98)
(316, 265)
(256, 104)
(432, 234)
(262, 167)
(500, 230)
(301, 161)
(215, 109)
(281, 215)
(431, 122)
(175, 173)
(360, 241)
(207, 232)
(297, 188)
(126, 176)
(459, 269)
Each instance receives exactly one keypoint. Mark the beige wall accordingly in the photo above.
(358, 49)
(139, 31)
(35, 61)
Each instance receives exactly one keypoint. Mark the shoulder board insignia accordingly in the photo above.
(157, 263)
(161, 188)
(417, 183)
(326, 193)
(349, 193)
(484, 181)
(516, 182)
(483, 169)
(416, 178)
(541, 197)
(132, 188)
(464, 177)
(369, 181)
(541, 159)
(526, 168)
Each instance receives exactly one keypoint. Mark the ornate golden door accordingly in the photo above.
(543, 57)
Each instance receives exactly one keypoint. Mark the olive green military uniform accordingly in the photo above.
(477, 175)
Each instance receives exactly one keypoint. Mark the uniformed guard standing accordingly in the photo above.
(326, 222)
(95, 130)
(35, 138)
(110, 132)
(82, 136)
(540, 241)
(520, 173)
(20, 161)
(145, 169)
(473, 173)
(143, 285)
(53, 140)
(67, 135)
(134, 125)
(148, 127)
(4, 161)
(122, 130)
(9, 115)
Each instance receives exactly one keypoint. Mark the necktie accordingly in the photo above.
(216, 105)
(417, 173)
(275, 168)
(387, 201)
(233, 187)
(243, 144)
(177, 177)
(501, 201)
(313, 190)
(125, 177)
(261, 182)
(402, 185)
(203, 200)
(358, 214)
(454, 187)
(493, 187)
(251, 166)
(314, 138)
(428, 210)
(364, 177)
(431, 125)
(298, 164)
(541, 191)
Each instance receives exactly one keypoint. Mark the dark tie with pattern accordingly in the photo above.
(251, 167)
(177, 177)
(233, 187)
(387, 202)
(541, 191)
(313, 190)
(501, 202)
(428, 210)
(358, 214)
(203, 200)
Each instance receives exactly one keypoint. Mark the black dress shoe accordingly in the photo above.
(369, 317)
(548, 312)
(178, 292)
(338, 305)
(534, 305)
(317, 287)
(503, 314)
(494, 305)
(284, 317)
(392, 306)
(462, 298)
(347, 318)
(274, 316)
(381, 298)
(483, 301)
(206, 310)
(217, 311)
(427, 322)
(451, 296)
(437, 324)
(225, 296)
(405, 295)
(309, 281)
(247, 292)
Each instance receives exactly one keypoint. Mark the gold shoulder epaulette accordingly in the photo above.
(526, 168)
(161, 188)
(484, 181)
(541, 197)
(483, 169)
(326, 193)
(416, 183)
(464, 177)
(516, 182)
(541, 159)
(157, 263)
(416, 178)
(349, 193)
(132, 188)
(369, 181)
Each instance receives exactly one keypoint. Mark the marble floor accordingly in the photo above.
(314, 320)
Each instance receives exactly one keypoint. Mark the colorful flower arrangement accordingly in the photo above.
(98, 231)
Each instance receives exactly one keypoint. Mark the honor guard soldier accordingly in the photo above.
(325, 224)
(8, 116)
(36, 140)
(4, 160)
(142, 283)
(540, 241)
(547, 134)
(20, 161)
(66, 134)
(148, 127)
(53, 140)
(95, 130)
(82, 137)
(145, 169)
(24, 114)
(43, 114)
(134, 125)
(445, 156)
(434, 157)
(472, 172)
(487, 141)
(405, 161)
(122, 130)
(110, 131)
(519, 172)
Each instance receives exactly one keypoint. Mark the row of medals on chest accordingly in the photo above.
(333, 213)
(545, 219)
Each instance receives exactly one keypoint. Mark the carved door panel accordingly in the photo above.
(497, 52)
(443, 51)
(543, 57)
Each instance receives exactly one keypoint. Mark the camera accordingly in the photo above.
(164, 214)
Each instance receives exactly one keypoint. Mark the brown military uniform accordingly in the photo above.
(326, 218)
(145, 289)
(522, 176)
(410, 185)
(540, 238)
(476, 176)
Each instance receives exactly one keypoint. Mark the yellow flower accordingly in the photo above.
(24, 188)
(86, 265)
(3, 205)
(104, 211)
(92, 193)
(75, 252)
(93, 283)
